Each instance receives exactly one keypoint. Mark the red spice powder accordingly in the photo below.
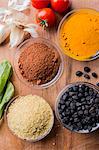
(39, 63)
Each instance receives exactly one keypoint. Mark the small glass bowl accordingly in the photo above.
(58, 100)
(36, 140)
(49, 44)
(58, 34)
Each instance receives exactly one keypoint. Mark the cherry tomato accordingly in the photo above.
(39, 4)
(60, 5)
(46, 17)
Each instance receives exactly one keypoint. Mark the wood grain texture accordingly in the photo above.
(59, 138)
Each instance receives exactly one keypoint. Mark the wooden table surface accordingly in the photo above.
(59, 138)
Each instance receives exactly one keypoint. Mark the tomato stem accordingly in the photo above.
(43, 23)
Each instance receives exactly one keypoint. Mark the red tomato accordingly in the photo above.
(60, 5)
(39, 4)
(46, 17)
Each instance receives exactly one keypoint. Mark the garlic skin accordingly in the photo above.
(4, 13)
(19, 5)
(4, 32)
(16, 36)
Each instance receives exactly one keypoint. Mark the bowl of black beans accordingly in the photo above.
(77, 107)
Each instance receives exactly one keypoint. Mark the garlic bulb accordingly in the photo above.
(4, 32)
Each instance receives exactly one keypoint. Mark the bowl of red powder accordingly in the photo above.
(38, 62)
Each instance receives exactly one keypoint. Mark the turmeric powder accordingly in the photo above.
(79, 34)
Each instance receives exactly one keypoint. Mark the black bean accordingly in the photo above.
(64, 96)
(94, 125)
(83, 99)
(93, 114)
(71, 93)
(79, 108)
(70, 99)
(81, 90)
(83, 107)
(70, 89)
(59, 106)
(62, 102)
(88, 98)
(75, 97)
(80, 112)
(63, 114)
(94, 75)
(76, 120)
(97, 84)
(85, 127)
(97, 95)
(86, 94)
(87, 69)
(96, 100)
(62, 107)
(87, 76)
(86, 89)
(67, 103)
(79, 73)
(80, 95)
(72, 111)
(79, 124)
(75, 88)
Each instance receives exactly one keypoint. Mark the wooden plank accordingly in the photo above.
(59, 138)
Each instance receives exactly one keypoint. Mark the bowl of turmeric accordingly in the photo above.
(78, 34)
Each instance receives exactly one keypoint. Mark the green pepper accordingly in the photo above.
(8, 94)
(5, 70)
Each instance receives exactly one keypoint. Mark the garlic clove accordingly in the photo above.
(32, 29)
(16, 36)
(32, 32)
(4, 32)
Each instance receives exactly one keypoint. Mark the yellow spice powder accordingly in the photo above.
(30, 117)
(79, 34)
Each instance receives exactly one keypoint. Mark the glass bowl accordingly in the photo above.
(58, 100)
(49, 44)
(36, 140)
(58, 35)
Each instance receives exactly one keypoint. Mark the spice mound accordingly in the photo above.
(78, 107)
(30, 117)
(79, 34)
(39, 63)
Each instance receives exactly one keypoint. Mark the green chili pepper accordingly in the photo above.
(2, 112)
(5, 70)
(8, 94)
(1, 96)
